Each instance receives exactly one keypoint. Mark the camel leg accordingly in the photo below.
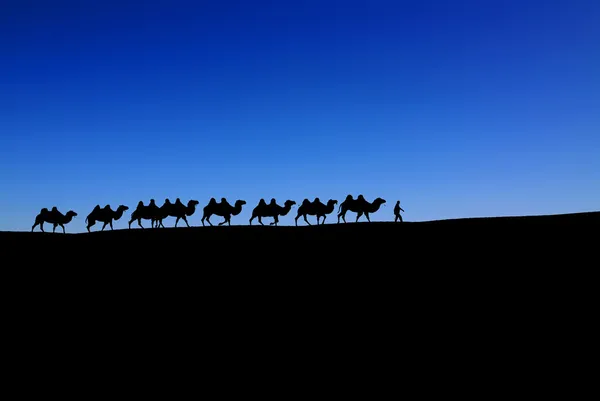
(275, 220)
(90, 224)
(307, 222)
(225, 220)
(208, 221)
(111, 226)
(260, 220)
(296, 220)
(177, 220)
(42, 226)
(35, 225)
(358, 214)
(63, 227)
(54, 227)
(324, 217)
(185, 220)
(367, 216)
(252, 218)
(104, 226)
(140, 223)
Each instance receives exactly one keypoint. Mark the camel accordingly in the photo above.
(104, 215)
(360, 206)
(271, 210)
(144, 212)
(161, 213)
(397, 210)
(177, 210)
(53, 217)
(223, 209)
(315, 208)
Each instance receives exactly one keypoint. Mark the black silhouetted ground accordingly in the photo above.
(475, 229)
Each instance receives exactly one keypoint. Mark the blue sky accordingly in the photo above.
(457, 108)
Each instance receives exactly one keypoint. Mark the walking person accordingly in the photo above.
(397, 210)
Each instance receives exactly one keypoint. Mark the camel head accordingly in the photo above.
(240, 202)
(122, 208)
(289, 203)
(331, 202)
(193, 203)
(71, 213)
(379, 201)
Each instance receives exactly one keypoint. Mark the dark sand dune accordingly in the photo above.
(562, 225)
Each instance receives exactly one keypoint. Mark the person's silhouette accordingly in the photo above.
(397, 210)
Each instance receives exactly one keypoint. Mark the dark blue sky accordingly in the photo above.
(457, 108)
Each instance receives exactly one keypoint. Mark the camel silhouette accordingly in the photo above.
(360, 206)
(53, 217)
(271, 210)
(161, 213)
(223, 209)
(144, 212)
(104, 215)
(397, 210)
(177, 210)
(315, 208)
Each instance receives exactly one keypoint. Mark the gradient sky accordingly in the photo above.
(457, 108)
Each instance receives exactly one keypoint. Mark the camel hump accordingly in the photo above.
(262, 202)
(44, 210)
(106, 207)
(212, 201)
(349, 197)
(54, 209)
(305, 202)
